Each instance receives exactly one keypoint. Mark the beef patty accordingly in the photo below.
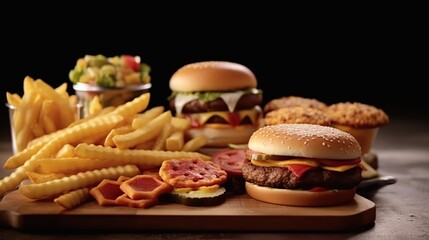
(247, 101)
(283, 177)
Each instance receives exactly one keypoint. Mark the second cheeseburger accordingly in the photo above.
(221, 100)
(302, 165)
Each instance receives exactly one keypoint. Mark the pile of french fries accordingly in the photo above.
(126, 140)
(41, 110)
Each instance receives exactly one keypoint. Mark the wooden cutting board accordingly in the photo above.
(238, 213)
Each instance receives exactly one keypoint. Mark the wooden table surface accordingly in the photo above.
(401, 208)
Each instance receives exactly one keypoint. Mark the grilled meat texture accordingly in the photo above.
(247, 101)
(283, 177)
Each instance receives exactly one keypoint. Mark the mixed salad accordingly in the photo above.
(117, 71)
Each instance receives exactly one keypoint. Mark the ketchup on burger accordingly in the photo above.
(221, 100)
(302, 165)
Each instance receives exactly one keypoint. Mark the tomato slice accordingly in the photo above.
(231, 160)
(234, 118)
(319, 189)
(131, 62)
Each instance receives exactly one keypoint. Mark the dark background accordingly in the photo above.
(385, 65)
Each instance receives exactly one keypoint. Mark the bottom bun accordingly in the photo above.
(222, 136)
(299, 198)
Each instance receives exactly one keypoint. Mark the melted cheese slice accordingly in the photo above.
(203, 117)
(181, 100)
(231, 99)
(340, 168)
(308, 162)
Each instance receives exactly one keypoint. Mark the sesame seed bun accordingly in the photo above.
(212, 76)
(222, 136)
(305, 140)
(299, 198)
(221, 100)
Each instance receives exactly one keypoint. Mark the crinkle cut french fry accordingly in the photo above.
(21, 157)
(73, 182)
(104, 111)
(97, 138)
(37, 130)
(10, 182)
(108, 141)
(162, 136)
(33, 176)
(194, 144)
(49, 116)
(36, 177)
(48, 125)
(146, 133)
(73, 198)
(25, 134)
(14, 179)
(146, 159)
(62, 90)
(143, 118)
(180, 124)
(32, 148)
(28, 84)
(73, 164)
(40, 111)
(94, 125)
(27, 98)
(175, 142)
(69, 135)
(148, 145)
(13, 99)
(134, 106)
(95, 106)
(65, 151)
(43, 139)
(18, 119)
(67, 113)
(28, 110)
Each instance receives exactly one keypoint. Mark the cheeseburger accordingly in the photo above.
(302, 165)
(221, 100)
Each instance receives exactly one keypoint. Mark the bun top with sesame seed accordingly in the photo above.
(212, 76)
(305, 140)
